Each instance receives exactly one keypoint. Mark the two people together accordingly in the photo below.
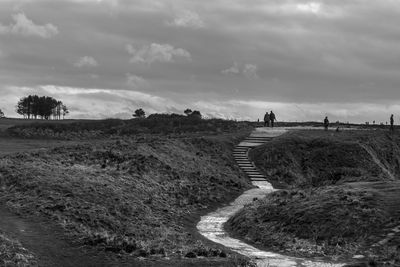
(269, 118)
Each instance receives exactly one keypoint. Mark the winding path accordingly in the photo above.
(211, 225)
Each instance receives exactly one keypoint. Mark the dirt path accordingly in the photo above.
(211, 225)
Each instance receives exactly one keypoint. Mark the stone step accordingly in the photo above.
(258, 180)
(257, 136)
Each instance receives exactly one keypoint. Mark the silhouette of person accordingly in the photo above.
(391, 123)
(266, 119)
(272, 118)
(326, 123)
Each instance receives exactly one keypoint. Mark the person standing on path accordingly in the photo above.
(272, 118)
(266, 119)
(326, 123)
(391, 123)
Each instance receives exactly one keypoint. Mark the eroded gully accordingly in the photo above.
(211, 225)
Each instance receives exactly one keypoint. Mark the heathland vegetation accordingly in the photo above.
(160, 124)
(339, 199)
(134, 188)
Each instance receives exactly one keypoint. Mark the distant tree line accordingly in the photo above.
(139, 113)
(1, 114)
(44, 107)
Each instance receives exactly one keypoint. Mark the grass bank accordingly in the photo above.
(135, 192)
(13, 254)
(339, 201)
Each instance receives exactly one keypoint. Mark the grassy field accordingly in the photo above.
(341, 197)
(131, 194)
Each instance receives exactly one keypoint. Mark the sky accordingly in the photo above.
(231, 59)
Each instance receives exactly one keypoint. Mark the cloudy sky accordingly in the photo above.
(231, 59)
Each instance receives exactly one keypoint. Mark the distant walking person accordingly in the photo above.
(272, 118)
(326, 123)
(391, 123)
(266, 119)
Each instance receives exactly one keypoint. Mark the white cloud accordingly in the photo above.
(135, 81)
(250, 71)
(311, 7)
(232, 70)
(86, 61)
(92, 102)
(156, 52)
(26, 27)
(187, 19)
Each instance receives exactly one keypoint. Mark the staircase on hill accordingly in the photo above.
(240, 155)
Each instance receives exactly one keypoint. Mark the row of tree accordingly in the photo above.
(44, 107)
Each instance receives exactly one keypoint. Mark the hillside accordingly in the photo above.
(340, 201)
(316, 158)
(137, 195)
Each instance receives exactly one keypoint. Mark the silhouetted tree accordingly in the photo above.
(139, 113)
(188, 111)
(21, 108)
(195, 114)
(45, 107)
(65, 110)
(1, 114)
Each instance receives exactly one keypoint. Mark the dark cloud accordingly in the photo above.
(288, 52)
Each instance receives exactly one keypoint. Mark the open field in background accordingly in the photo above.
(341, 196)
(10, 144)
(137, 195)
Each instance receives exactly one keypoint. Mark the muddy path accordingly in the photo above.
(212, 225)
